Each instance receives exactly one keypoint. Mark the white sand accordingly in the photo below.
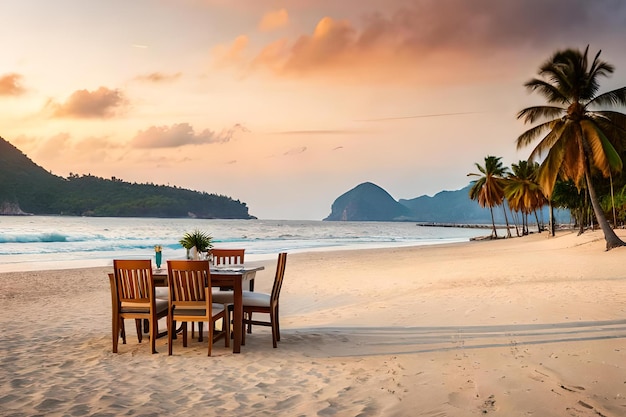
(532, 326)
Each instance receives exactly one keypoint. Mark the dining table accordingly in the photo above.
(230, 276)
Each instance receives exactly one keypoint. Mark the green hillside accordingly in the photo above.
(34, 190)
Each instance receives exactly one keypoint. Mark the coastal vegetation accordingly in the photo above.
(488, 189)
(578, 160)
(27, 187)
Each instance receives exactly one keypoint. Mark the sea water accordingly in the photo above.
(57, 242)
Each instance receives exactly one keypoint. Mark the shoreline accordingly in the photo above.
(523, 326)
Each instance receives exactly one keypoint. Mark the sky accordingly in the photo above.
(285, 105)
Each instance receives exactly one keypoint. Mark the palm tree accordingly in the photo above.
(488, 190)
(577, 139)
(523, 193)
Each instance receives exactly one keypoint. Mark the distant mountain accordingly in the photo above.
(450, 207)
(25, 187)
(445, 207)
(367, 202)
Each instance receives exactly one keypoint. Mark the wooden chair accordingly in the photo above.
(226, 257)
(191, 300)
(223, 257)
(254, 302)
(132, 297)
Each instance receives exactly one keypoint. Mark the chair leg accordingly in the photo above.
(274, 329)
(226, 327)
(243, 329)
(154, 331)
(184, 324)
(210, 335)
(276, 315)
(171, 330)
(115, 332)
(200, 330)
(250, 322)
(139, 332)
(123, 331)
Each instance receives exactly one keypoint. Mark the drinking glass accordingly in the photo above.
(158, 256)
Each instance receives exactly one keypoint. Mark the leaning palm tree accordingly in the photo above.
(577, 138)
(488, 189)
(523, 193)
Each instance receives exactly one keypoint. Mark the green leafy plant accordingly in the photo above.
(201, 240)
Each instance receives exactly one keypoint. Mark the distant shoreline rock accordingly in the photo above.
(12, 209)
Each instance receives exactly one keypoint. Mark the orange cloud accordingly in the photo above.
(158, 77)
(181, 134)
(10, 85)
(443, 40)
(274, 20)
(55, 146)
(232, 54)
(295, 151)
(101, 103)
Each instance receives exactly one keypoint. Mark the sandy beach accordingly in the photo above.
(532, 326)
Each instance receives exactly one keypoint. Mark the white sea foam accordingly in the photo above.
(55, 242)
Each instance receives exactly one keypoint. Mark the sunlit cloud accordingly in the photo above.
(419, 116)
(181, 134)
(295, 151)
(96, 142)
(158, 77)
(414, 38)
(101, 103)
(231, 54)
(319, 132)
(55, 146)
(11, 85)
(274, 20)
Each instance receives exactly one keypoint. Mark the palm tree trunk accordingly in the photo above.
(612, 240)
(506, 220)
(537, 218)
(552, 225)
(613, 202)
(494, 234)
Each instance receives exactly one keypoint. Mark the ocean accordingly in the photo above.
(29, 243)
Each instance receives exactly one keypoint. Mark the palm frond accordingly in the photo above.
(573, 163)
(603, 155)
(553, 136)
(616, 97)
(533, 133)
(613, 125)
(599, 67)
(531, 114)
(549, 169)
(549, 91)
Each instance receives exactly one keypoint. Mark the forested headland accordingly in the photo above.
(27, 188)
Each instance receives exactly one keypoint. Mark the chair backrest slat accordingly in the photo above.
(227, 256)
(133, 279)
(188, 281)
(278, 279)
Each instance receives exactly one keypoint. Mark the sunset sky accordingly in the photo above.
(284, 105)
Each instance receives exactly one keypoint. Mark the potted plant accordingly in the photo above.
(196, 242)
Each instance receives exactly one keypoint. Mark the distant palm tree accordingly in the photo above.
(523, 193)
(577, 139)
(488, 190)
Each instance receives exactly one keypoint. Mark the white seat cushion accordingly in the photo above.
(162, 293)
(256, 299)
(197, 311)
